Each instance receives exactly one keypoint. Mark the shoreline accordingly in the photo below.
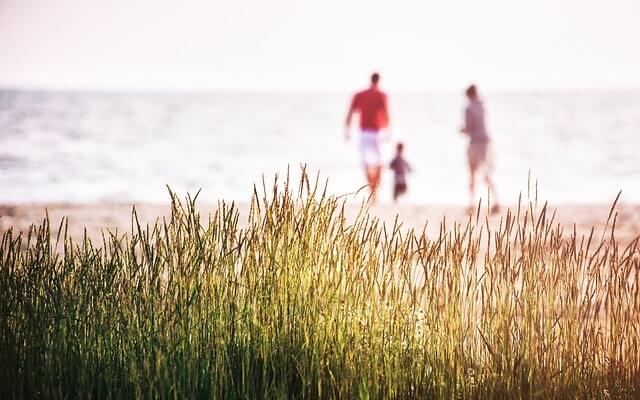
(96, 217)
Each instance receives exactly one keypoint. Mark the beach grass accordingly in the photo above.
(302, 301)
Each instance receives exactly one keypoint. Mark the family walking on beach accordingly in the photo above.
(371, 105)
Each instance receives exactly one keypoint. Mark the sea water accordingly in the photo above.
(78, 147)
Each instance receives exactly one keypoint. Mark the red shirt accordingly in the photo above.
(372, 106)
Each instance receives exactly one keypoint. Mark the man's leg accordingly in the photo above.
(369, 174)
(373, 179)
(377, 172)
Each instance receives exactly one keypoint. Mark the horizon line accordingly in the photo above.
(291, 90)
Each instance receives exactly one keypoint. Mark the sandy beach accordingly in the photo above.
(96, 217)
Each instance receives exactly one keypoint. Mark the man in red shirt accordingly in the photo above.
(371, 104)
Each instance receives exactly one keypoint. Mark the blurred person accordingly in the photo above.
(371, 105)
(479, 151)
(400, 168)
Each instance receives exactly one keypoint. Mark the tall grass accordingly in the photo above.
(305, 302)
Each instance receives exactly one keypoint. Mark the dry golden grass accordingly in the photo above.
(303, 302)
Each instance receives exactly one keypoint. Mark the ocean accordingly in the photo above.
(79, 147)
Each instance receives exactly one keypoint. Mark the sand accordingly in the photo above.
(97, 217)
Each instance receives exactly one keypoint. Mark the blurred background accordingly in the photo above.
(109, 101)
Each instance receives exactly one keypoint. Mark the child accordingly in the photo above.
(400, 169)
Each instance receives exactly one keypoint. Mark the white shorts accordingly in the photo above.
(370, 149)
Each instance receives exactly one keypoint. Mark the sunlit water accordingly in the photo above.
(84, 147)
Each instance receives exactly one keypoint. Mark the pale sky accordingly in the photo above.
(320, 44)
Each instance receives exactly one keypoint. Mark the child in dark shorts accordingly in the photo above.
(400, 168)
